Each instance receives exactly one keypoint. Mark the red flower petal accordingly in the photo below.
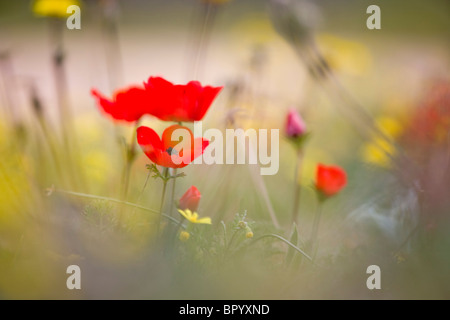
(188, 102)
(167, 152)
(330, 179)
(150, 143)
(205, 101)
(127, 105)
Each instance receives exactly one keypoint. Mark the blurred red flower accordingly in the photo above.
(168, 153)
(330, 179)
(159, 98)
(190, 199)
(295, 126)
(126, 105)
(431, 122)
(171, 102)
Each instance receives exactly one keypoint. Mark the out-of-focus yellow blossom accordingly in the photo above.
(249, 234)
(96, 165)
(96, 162)
(344, 55)
(254, 30)
(14, 183)
(389, 126)
(184, 236)
(377, 150)
(193, 217)
(53, 8)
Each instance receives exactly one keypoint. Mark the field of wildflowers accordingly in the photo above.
(99, 155)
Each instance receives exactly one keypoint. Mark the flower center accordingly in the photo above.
(171, 151)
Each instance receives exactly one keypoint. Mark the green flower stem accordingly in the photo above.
(177, 227)
(108, 199)
(69, 143)
(297, 186)
(130, 156)
(315, 229)
(233, 236)
(285, 241)
(144, 186)
(172, 200)
(201, 45)
(163, 197)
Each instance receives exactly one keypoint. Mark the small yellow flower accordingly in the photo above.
(184, 236)
(249, 233)
(377, 150)
(193, 217)
(53, 8)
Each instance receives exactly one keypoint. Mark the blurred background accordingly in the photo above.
(60, 155)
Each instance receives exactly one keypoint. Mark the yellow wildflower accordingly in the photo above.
(249, 232)
(53, 8)
(377, 150)
(193, 217)
(184, 236)
(349, 56)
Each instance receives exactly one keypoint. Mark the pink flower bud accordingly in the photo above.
(295, 126)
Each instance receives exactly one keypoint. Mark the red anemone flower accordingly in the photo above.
(127, 105)
(330, 179)
(190, 199)
(167, 152)
(179, 103)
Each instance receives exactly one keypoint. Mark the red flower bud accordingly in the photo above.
(190, 199)
(330, 180)
(295, 126)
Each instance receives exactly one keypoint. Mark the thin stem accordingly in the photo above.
(130, 204)
(130, 156)
(315, 229)
(297, 186)
(233, 236)
(177, 227)
(285, 241)
(111, 43)
(259, 182)
(225, 237)
(145, 185)
(7, 75)
(47, 133)
(172, 199)
(163, 197)
(56, 28)
(202, 42)
(56, 37)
